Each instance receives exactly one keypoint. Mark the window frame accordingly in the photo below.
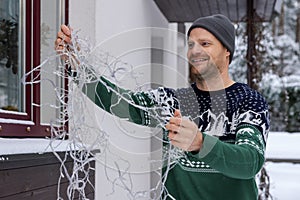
(28, 123)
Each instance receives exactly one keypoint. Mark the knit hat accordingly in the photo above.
(221, 27)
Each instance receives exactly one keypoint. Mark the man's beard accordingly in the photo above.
(195, 75)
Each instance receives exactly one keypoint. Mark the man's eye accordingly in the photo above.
(205, 44)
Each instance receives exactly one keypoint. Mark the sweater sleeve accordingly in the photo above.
(240, 160)
(244, 158)
(145, 108)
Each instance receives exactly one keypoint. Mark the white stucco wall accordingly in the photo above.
(121, 27)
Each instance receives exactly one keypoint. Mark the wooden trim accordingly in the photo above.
(14, 161)
(28, 63)
(36, 60)
(67, 12)
(36, 176)
(23, 130)
(66, 81)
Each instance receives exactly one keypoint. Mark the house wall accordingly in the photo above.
(125, 29)
(33, 176)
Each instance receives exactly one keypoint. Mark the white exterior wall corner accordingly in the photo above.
(104, 23)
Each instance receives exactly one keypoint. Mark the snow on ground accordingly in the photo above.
(284, 177)
(284, 180)
(283, 145)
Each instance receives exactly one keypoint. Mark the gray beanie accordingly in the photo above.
(221, 27)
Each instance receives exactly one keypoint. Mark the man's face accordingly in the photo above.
(206, 54)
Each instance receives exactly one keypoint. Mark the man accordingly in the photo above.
(225, 135)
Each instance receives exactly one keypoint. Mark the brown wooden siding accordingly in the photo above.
(35, 177)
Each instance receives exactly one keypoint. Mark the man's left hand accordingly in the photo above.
(184, 133)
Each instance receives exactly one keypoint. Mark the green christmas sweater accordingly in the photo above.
(234, 123)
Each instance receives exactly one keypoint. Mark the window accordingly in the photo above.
(27, 34)
(10, 90)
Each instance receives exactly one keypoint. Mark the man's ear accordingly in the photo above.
(228, 52)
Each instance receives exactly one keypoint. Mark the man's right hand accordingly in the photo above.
(62, 46)
(63, 38)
